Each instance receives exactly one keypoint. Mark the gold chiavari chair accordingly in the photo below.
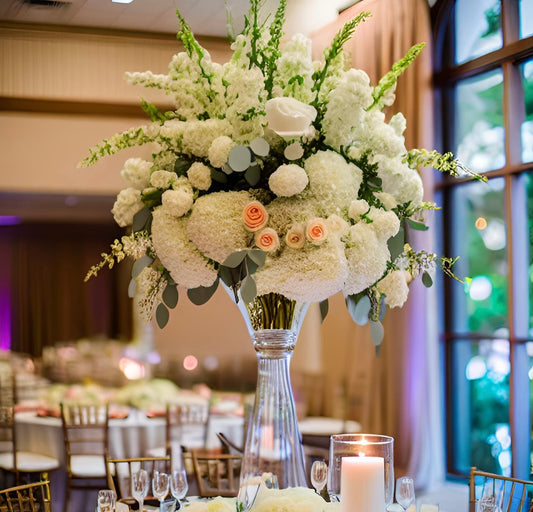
(216, 474)
(85, 430)
(488, 491)
(33, 497)
(120, 471)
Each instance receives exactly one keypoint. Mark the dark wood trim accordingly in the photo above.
(514, 52)
(86, 108)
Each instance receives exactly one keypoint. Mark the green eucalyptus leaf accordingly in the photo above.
(234, 259)
(202, 294)
(225, 273)
(376, 332)
(359, 310)
(253, 175)
(396, 244)
(219, 176)
(382, 308)
(182, 166)
(240, 158)
(131, 288)
(141, 264)
(419, 226)
(170, 295)
(141, 219)
(324, 308)
(427, 280)
(162, 315)
(258, 256)
(260, 146)
(248, 289)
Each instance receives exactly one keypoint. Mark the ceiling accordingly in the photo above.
(206, 17)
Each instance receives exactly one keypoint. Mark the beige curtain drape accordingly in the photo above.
(395, 393)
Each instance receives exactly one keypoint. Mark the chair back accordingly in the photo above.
(120, 471)
(8, 432)
(27, 498)
(216, 474)
(85, 429)
(488, 491)
(177, 416)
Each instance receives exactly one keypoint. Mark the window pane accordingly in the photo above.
(478, 28)
(479, 128)
(526, 18)
(480, 405)
(478, 235)
(527, 126)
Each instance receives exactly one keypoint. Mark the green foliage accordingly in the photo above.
(389, 80)
(330, 53)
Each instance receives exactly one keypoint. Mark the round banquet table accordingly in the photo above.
(128, 437)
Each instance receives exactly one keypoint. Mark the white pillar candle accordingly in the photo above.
(362, 484)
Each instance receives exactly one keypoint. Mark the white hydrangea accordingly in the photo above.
(162, 179)
(199, 176)
(136, 172)
(288, 180)
(399, 180)
(219, 150)
(333, 182)
(177, 202)
(337, 225)
(128, 203)
(187, 266)
(394, 287)
(310, 274)
(199, 135)
(215, 225)
(367, 258)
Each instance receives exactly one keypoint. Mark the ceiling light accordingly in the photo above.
(122, 1)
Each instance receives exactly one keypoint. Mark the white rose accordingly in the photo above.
(289, 117)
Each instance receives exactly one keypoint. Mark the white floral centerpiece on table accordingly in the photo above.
(275, 174)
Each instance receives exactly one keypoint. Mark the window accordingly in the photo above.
(484, 89)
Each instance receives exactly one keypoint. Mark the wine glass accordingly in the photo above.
(405, 491)
(179, 485)
(319, 475)
(160, 485)
(106, 500)
(139, 486)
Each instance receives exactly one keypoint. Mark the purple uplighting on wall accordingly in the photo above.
(5, 294)
(9, 220)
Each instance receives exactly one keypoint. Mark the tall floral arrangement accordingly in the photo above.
(274, 174)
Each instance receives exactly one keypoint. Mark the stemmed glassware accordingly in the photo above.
(179, 485)
(139, 486)
(405, 491)
(319, 475)
(106, 500)
(160, 486)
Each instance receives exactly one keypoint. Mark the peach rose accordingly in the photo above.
(295, 237)
(267, 240)
(255, 216)
(316, 231)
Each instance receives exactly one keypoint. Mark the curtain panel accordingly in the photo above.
(397, 391)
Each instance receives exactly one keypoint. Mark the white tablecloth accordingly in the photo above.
(128, 437)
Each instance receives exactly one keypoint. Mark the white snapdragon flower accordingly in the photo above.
(219, 150)
(199, 176)
(136, 172)
(128, 203)
(288, 180)
(289, 118)
(162, 179)
(399, 180)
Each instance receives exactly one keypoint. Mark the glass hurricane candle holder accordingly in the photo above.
(361, 474)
